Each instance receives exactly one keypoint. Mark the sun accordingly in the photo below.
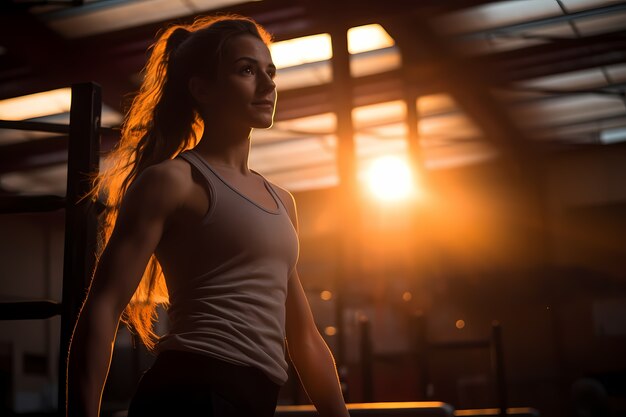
(390, 178)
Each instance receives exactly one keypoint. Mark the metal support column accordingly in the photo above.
(346, 166)
(366, 357)
(80, 216)
(412, 120)
(497, 358)
(421, 354)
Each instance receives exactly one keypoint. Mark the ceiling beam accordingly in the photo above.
(547, 21)
(558, 56)
(463, 79)
(43, 60)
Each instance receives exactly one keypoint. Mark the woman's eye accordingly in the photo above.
(272, 74)
(247, 70)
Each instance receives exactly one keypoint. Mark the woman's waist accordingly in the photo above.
(266, 356)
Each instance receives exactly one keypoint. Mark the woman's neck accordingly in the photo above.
(226, 149)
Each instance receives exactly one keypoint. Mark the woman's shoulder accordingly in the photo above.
(168, 173)
(168, 179)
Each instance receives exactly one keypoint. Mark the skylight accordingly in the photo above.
(368, 38)
(315, 48)
(303, 50)
(36, 105)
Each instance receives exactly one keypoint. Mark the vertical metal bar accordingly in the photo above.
(342, 97)
(80, 217)
(421, 354)
(366, 358)
(400, 29)
(412, 122)
(497, 358)
(51, 342)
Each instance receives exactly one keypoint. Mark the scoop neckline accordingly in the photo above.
(265, 183)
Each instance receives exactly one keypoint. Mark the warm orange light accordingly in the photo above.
(390, 178)
(460, 324)
(330, 331)
(303, 50)
(36, 105)
(407, 296)
(326, 295)
(368, 38)
(315, 48)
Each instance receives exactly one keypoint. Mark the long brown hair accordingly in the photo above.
(163, 121)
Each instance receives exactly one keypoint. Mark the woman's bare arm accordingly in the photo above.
(154, 196)
(309, 353)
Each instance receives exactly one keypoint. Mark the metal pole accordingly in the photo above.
(80, 217)
(497, 358)
(366, 358)
(342, 98)
(412, 120)
(421, 353)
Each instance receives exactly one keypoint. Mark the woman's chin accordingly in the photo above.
(263, 124)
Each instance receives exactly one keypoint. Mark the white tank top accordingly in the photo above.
(235, 310)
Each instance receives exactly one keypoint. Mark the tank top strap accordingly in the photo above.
(207, 174)
(197, 162)
(272, 190)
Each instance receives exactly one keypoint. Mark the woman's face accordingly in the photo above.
(244, 92)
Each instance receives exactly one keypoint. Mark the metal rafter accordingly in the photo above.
(110, 58)
(537, 23)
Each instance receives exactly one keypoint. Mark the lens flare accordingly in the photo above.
(330, 331)
(390, 178)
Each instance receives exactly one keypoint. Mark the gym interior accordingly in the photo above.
(459, 169)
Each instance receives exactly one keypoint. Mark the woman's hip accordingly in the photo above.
(191, 384)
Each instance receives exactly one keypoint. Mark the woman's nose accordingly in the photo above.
(267, 82)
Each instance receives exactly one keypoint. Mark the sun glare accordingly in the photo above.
(390, 178)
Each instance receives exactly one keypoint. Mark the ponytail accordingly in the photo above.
(162, 121)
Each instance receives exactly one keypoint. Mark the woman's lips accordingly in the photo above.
(264, 106)
(263, 103)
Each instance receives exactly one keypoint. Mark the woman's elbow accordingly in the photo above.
(304, 347)
(101, 311)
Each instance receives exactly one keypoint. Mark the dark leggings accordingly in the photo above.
(190, 384)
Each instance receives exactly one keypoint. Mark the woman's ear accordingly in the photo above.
(199, 89)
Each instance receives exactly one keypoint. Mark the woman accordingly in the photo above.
(190, 225)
